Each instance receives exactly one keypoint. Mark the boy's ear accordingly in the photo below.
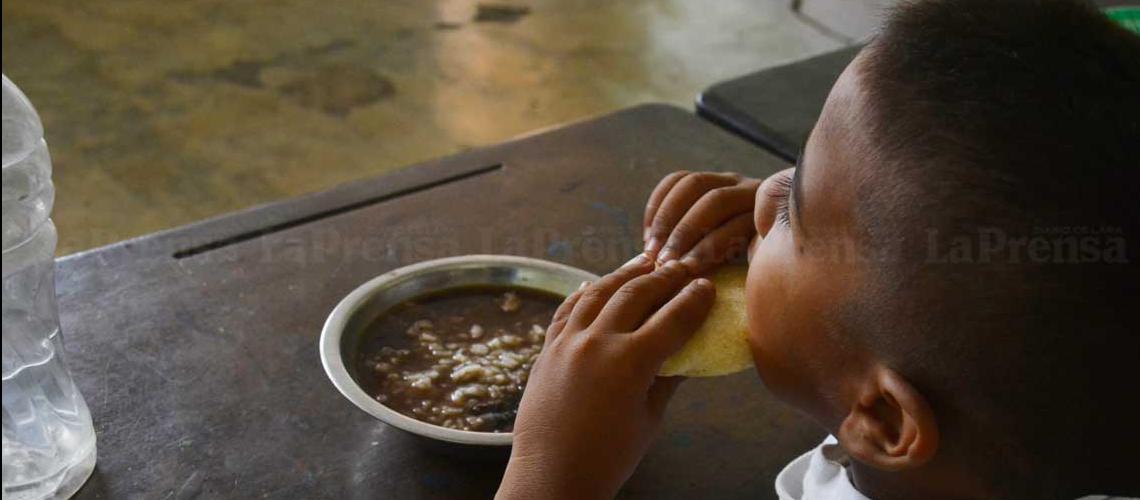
(889, 426)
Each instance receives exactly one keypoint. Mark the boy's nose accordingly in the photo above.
(766, 205)
(758, 216)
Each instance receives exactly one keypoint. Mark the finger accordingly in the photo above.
(661, 392)
(558, 322)
(725, 243)
(639, 297)
(708, 213)
(657, 196)
(687, 191)
(766, 202)
(595, 296)
(668, 329)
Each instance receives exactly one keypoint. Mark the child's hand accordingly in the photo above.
(701, 218)
(594, 402)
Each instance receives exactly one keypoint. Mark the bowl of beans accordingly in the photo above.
(442, 349)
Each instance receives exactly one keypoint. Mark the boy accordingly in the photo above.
(946, 282)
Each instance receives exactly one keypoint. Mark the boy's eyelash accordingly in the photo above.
(781, 194)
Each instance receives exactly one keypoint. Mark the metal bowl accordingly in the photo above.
(342, 334)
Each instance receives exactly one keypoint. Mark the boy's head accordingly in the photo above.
(946, 283)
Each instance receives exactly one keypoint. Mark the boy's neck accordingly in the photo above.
(927, 483)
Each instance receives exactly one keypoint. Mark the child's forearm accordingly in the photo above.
(528, 479)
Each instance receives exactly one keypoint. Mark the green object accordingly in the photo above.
(1129, 17)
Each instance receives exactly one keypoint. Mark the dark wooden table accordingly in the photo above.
(196, 348)
(775, 108)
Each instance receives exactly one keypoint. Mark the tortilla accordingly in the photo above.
(720, 345)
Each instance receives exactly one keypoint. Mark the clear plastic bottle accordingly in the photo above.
(49, 441)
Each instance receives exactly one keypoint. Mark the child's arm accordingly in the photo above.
(701, 218)
(594, 401)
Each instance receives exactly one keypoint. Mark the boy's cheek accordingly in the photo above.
(787, 294)
(779, 352)
(768, 271)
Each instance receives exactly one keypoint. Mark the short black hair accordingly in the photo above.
(1003, 216)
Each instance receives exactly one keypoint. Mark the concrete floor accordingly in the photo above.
(162, 113)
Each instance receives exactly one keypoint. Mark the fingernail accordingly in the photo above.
(653, 245)
(689, 261)
(584, 285)
(665, 256)
(638, 260)
(701, 283)
(672, 265)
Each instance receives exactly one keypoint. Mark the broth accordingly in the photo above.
(460, 358)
